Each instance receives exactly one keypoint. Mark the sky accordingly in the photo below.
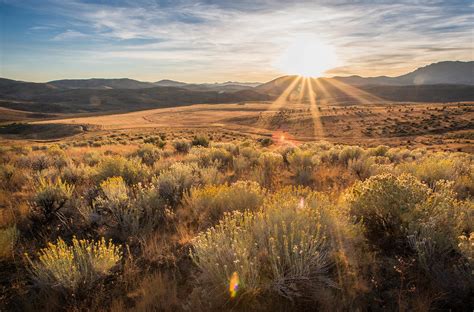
(230, 40)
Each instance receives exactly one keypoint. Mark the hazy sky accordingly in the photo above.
(207, 41)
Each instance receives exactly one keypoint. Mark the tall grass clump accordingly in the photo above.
(74, 267)
(280, 251)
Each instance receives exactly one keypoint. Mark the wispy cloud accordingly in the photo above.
(69, 35)
(222, 39)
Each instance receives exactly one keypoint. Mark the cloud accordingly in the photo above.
(69, 35)
(234, 36)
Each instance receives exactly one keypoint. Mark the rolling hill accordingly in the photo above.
(439, 82)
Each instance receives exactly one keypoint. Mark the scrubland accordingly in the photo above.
(209, 224)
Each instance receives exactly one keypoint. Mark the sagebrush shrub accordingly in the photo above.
(132, 170)
(131, 212)
(40, 162)
(280, 250)
(350, 153)
(362, 167)
(208, 204)
(384, 203)
(200, 140)
(173, 182)
(302, 164)
(51, 196)
(181, 146)
(269, 165)
(212, 156)
(438, 167)
(149, 154)
(76, 266)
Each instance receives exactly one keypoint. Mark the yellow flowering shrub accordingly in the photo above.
(76, 265)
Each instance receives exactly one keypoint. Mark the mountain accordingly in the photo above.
(99, 83)
(229, 86)
(169, 83)
(48, 98)
(125, 83)
(448, 72)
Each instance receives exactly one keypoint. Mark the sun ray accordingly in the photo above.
(302, 90)
(283, 98)
(359, 95)
(322, 89)
(315, 115)
(280, 101)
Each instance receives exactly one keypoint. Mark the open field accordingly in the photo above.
(434, 125)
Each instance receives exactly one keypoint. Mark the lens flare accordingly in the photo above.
(234, 284)
(301, 203)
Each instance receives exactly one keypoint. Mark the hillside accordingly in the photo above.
(48, 99)
(448, 72)
(95, 83)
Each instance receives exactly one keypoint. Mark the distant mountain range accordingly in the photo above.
(125, 83)
(437, 73)
(439, 82)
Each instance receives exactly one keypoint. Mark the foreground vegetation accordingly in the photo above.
(177, 225)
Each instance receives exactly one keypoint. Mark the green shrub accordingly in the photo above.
(269, 164)
(384, 204)
(129, 212)
(350, 153)
(434, 168)
(302, 164)
(206, 157)
(279, 251)
(51, 196)
(380, 150)
(200, 140)
(148, 154)
(362, 167)
(181, 146)
(132, 170)
(173, 182)
(74, 267)
(92, 158)
(208, 204)
(155, 140)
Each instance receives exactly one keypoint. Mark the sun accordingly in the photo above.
(307, 56)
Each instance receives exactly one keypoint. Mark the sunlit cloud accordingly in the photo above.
(229, 38)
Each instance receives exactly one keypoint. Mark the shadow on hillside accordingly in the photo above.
(40, 131)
